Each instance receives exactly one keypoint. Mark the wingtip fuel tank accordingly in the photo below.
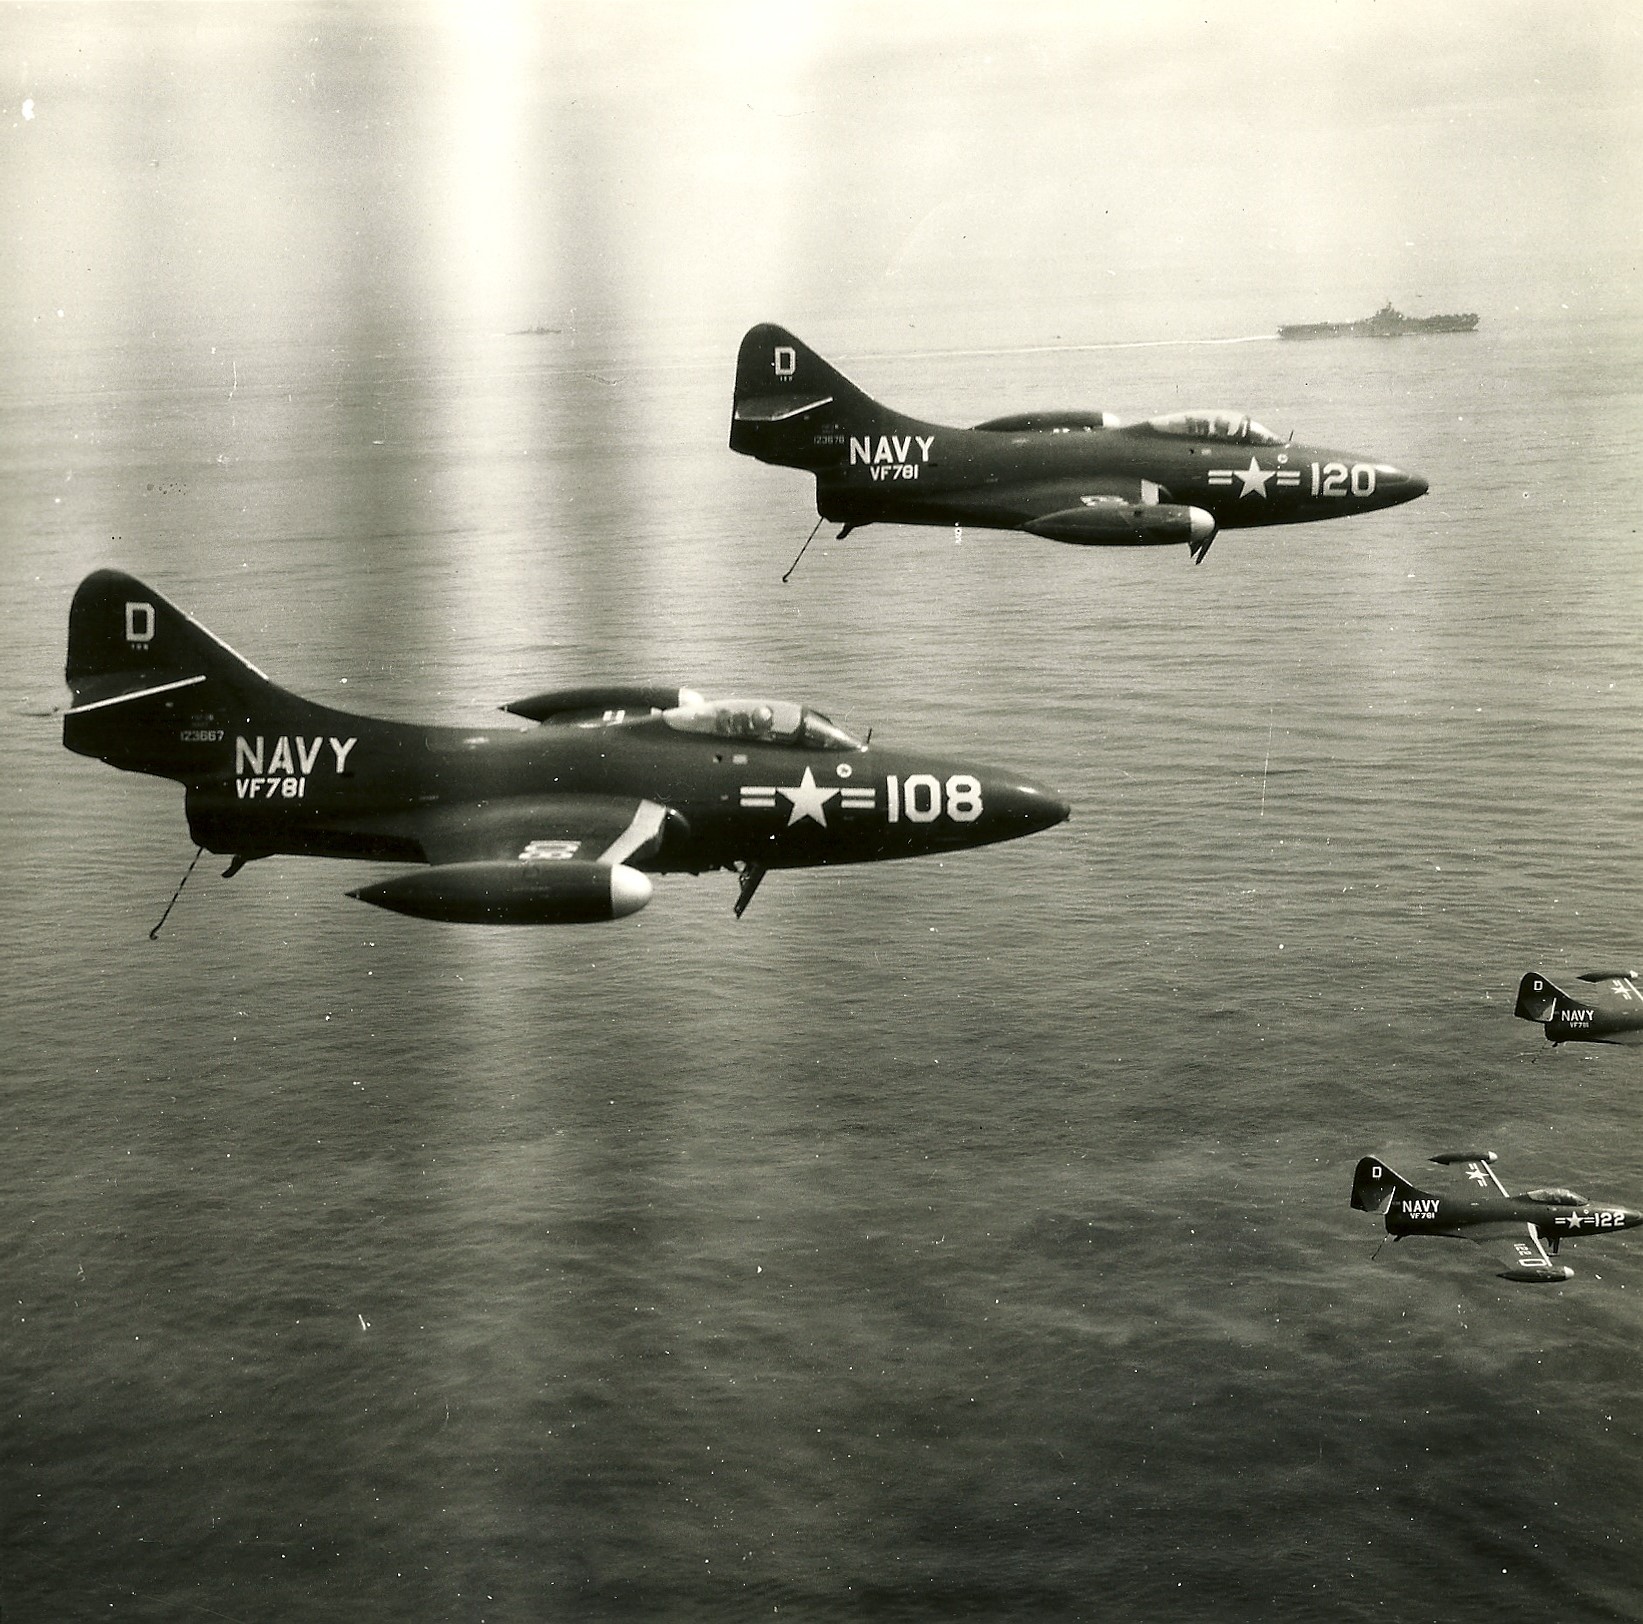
(513, 893)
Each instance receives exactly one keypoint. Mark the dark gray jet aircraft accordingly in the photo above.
(556, 823)
(1607, 1009)
(1074, 476)
(1524, 1227)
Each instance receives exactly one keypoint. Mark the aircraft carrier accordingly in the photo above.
(1387, 322)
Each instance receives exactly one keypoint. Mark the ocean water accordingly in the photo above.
(943, 1239)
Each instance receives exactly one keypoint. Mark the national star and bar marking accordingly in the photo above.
(1254, 478)
(808, 799)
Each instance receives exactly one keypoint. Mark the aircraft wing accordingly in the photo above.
(580, 828)
(524, 860)
(1008, 503)
(1482, 1174)
(1521, 1249)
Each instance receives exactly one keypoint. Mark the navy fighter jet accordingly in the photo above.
(1526, 1227)
(557, 823)
(1073, 476)
(1609, 1008)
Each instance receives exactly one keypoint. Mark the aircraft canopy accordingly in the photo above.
(776, 721)
(1555, 1197)
(1233, 426)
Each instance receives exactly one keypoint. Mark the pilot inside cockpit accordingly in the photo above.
(776, 721)
(751, 722)
(1232, 426)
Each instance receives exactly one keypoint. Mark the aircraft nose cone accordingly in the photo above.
(1399, 486)
(1024, 809)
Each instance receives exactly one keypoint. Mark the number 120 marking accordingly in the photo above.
(1330, 479)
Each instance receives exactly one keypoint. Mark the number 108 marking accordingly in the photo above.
(920, 799)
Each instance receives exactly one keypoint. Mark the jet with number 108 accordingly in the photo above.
(1073, 476)
(557, 823)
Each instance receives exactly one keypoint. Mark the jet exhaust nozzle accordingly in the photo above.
(512, 892)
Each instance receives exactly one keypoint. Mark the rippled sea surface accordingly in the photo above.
(962, 1238)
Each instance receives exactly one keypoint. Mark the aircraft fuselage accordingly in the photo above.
(1418, 1214)
(1078, 477)
(927, 474)
(364, 788)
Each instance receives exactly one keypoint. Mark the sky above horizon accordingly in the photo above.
(226, 169)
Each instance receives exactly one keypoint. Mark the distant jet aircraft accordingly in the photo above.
(1072, 476)
(1609, 1008)
(1523, 1226)
(559, 823)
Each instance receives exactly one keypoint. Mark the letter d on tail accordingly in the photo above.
(1537, 998)
(1373, 1185)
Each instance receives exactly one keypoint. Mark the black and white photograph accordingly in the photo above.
(820, 809)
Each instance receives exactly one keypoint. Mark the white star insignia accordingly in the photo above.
(1254, 478)
(809, 799)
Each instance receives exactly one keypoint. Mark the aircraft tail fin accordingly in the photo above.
(1375, 1186)
(793, 408)
(1538, 998)
(154, 691)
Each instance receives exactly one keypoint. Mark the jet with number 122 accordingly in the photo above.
(1075, 476)
(1527, 1229)
(559, 820)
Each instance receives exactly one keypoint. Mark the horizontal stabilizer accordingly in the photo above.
(777, 408)
(125, 640)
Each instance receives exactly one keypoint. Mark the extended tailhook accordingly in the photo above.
(802, 551)
(153, 935)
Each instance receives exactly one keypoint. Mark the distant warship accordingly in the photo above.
(1385, 323)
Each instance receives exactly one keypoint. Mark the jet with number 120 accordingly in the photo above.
(560, 821)
(1073, 476)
